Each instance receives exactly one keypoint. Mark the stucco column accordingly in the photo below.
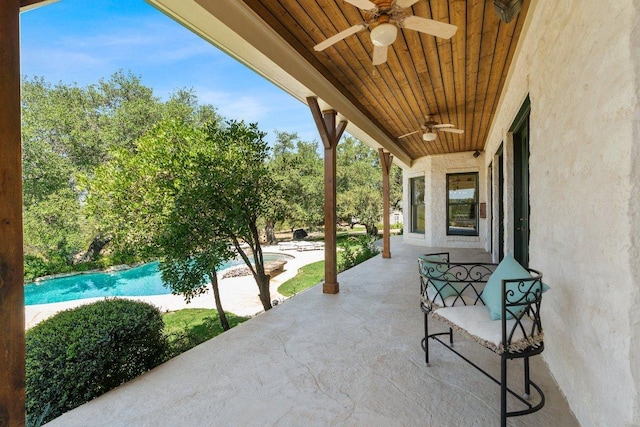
(386, 159)
(12, 352)
(330, 135)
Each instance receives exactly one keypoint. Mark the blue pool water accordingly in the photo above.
(138, 281)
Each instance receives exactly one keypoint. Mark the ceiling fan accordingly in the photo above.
(430, 127)
(384, 17)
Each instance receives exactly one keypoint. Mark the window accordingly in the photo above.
(417, 204)
(462, 204)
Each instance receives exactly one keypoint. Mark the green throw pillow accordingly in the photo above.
(433, 266)
(508, 268)
(445, 288)
(436, 269)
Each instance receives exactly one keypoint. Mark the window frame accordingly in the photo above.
(476, 202)
(415, 227)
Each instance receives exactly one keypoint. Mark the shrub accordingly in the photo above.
(355, 250)
(84, 352)
(34, 266)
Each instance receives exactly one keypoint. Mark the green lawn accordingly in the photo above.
(309, 275)
(312, 274)
(189, 327)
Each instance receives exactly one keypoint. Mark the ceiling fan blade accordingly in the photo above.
(338, 37)
(429, 26)
(363, 4)
(452, 130)
(379, 54)
(444, 125)
(410, 133)
(406, 3)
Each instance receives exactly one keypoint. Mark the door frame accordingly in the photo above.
(521, 200)
(500, 199)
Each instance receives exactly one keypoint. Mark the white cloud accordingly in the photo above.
(147, 42)
(236, 105)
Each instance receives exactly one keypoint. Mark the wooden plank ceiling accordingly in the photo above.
(458, 80)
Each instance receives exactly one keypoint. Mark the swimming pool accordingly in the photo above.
(138, 281)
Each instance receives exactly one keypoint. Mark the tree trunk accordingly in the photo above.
(261, 279)
(216, 294)
(96, 246)
(265, 294)
(257, 268)
(270, 233)
(372, 230)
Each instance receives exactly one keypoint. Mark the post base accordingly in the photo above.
(386, 254)
(330, 288)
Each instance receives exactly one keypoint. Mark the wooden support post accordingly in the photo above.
(12, 351)
(330, 135)
(386, 159)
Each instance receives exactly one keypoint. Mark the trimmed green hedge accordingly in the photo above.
(81, 353)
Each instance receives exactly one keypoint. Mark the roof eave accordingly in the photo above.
(235, 29)
(26, 5)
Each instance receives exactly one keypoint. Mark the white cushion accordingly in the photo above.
(475, 322)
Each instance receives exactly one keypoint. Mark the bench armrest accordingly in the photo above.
(521, 300)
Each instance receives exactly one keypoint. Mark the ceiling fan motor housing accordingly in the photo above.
(384, 34)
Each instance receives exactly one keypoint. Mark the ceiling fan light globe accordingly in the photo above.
(429, 136)
(384, 34)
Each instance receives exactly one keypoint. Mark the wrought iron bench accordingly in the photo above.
(497, 306)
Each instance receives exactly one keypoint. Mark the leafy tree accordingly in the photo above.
(245, 191)
(127, 110)
(53, 229)
(67, 131)
(395, 187)
(44, 171)
(183, 195)
(297, 166)
(149, 199)
(358, 184)
(183, 106)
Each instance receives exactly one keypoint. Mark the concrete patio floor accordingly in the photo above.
(351, 359)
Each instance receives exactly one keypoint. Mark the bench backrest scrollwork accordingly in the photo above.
(464, 281)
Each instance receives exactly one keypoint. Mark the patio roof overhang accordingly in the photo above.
(32, 4)
(458, 80)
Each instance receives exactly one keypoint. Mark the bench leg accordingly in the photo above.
(503, 391)
(426, 338)
(527, 380)
(451, 337)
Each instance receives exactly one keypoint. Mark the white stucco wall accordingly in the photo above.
(435, 170)
(578, 61)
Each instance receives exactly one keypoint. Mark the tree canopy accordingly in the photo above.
(358, 184)
(184, 195)
(68, 131)
(71, 133)
(297, 165)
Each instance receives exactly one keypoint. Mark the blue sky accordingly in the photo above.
(81, 41)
